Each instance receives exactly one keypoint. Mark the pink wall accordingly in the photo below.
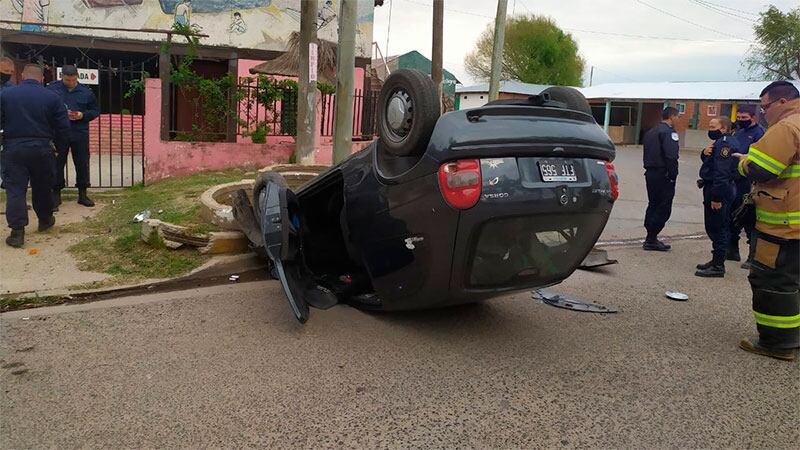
(164, 159)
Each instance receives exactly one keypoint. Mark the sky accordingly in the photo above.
(625, 40)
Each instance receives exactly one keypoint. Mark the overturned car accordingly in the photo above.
(441, 210)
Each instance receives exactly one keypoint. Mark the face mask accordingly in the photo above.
(742, 124)
(4, 77)
(714, 134)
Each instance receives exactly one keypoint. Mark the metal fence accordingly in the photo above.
(279, 117)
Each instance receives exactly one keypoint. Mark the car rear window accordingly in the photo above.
(531, 250)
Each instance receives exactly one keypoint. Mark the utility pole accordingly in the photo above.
(345, 67)
(307, 86)
(591, 76)
(438, 38)
(497, 51)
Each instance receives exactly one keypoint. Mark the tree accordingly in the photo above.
(776, 54)
(535, 51)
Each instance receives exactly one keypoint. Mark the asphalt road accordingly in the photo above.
(230, 367)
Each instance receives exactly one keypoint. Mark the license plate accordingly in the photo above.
(557, 171)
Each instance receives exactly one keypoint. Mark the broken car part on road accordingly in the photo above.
(571, 303)
(441, 210)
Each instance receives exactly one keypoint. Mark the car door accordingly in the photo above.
(280, 222)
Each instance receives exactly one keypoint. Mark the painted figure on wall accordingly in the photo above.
(183, 13)
(32, 11)
(237, 26)
(215, 6)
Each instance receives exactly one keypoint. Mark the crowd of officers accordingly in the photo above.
(41, 125)
(746, 172)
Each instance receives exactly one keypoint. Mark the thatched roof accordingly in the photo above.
(288, 64)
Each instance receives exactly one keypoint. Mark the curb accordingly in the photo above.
(248, 267)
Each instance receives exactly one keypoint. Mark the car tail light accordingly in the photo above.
(613, 180)
(460, 182)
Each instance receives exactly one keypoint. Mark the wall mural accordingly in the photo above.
(257, 24)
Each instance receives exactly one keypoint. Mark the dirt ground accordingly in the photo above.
(44, 263)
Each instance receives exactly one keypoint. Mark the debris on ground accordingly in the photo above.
(233, 278)
(142, 216)
(571, 303)
(677, 296)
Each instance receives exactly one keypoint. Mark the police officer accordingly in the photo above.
(661, 172)
(717, 175)
(773, 164)
(748, 131)
(32, 117)
(6, 72)
(81, 109)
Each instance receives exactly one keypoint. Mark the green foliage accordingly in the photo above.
(535, 51)
(326, 88)
(136, 86)
(776, 54)
(266, 93)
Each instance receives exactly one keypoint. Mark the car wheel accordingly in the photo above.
(569, 96)
(261, 180)
(408, 111)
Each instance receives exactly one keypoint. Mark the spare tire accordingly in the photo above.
(569, 96)
(408, 109)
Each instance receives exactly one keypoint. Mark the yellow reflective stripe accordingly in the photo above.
(741, 168)
(777, 321)
(768, 158)
(791, 172)
(775, 218)
(764, 164)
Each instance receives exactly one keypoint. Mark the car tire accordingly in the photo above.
(261, 181)
(569, 96)
(408, 109)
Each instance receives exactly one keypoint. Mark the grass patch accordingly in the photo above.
(114, 244)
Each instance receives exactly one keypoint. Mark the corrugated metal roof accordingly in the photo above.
(659, 91)
(509, 87)
(700, 90)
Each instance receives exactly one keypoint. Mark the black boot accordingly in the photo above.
(705, 266)
(56, 199)
(733, 254)
(46, 224)
(84, 199)
(715, 270)
(655, 245)
(17, 238)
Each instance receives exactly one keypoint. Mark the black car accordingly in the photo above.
(442, 210)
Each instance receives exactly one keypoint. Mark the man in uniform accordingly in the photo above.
(773, 164)
(661, 172)
(81, 109)
(6, 72)
(717, 175)
(32, 117)
(748, 132)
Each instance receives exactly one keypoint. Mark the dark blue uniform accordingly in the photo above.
(661, 171)
(32, 117)
(719, 172)
(5, 85)
(745, 138)
(80, 99)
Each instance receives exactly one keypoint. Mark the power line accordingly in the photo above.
(615, 74)
(667, 13)
(729, 8)
(722, 11)
(636, 36)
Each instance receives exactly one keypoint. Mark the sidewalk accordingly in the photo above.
(51, 267)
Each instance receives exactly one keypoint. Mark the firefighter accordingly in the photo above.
(32, 117)
(661, 171)
(748, 132)
(773, 164)
(717, 176)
